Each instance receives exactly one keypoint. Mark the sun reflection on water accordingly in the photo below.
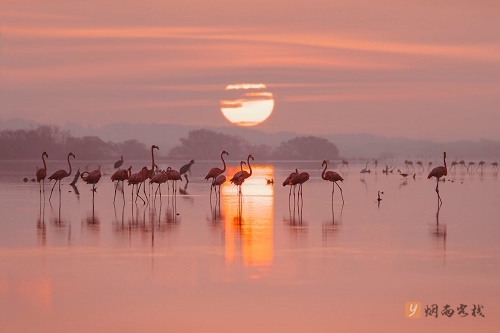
(249, 223)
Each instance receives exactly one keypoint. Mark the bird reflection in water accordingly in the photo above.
(330, 228)
(438, 232)
(60, 223)
(40, 225)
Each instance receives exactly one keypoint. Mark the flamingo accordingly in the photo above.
(120, 176)
(214, 172)
(494, 166)
(174, 176)
(480, 165)
(137, 179)
(151, 172)
(404, 174)
(93, 178)
(60, 174)
(439, 172)
(185, 168)
(333, 177)
(119, 163)
(42, 173)
(299, 179)
(287, 182)
(241, 176)
(365, 170)
(218, 181)
(159, 178)
(238, 174)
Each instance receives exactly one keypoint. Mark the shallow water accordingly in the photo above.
(189, 264)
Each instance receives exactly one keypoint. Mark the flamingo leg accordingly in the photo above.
(114, 198)
(341, 193)
(52, 190)
(437, 191)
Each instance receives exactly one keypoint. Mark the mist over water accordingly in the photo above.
(255, 262)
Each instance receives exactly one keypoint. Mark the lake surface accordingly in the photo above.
(251, 263)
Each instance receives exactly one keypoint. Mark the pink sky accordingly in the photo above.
(421, 69)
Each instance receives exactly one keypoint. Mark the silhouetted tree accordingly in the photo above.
(207, 145)
(306, 148)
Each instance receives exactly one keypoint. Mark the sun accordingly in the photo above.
(247, 104)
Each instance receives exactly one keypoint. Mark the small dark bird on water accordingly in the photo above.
(379, 198)
(77, 175)
(119, 163)
(186, 168)
(270, 181)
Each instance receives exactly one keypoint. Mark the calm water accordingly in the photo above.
(186, 264)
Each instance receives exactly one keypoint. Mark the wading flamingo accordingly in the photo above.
(333, 177)
(59, 175)
(438, 172)
(42, 173)
(121, 175)
(214, 172)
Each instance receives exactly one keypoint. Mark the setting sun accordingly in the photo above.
(247, 104)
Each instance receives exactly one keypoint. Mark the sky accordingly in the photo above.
(416, 69)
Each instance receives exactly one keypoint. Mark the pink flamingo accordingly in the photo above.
(42, 173)
(333, 177)
(238, 178)
(287, 182)
(242, 175)
(59, 175)
(159, 178)
(121, 175)
(137, 179)
(214, 172)
(438, 172)
(93, 178)
(218, 181)
(299, 179)
(174, 176)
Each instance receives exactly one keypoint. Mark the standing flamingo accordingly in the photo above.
(159, 178)
(185, 168)
(42, 173)
(333, 177)
(287, 182)
(218, 181)
(121, 175)
(439, 172)
(214, 172)
(299, 179)
(93, 178)
(174, 176)
(60, 174)
(240, 177)
(137, 179)
(238, 174)
(151, 171)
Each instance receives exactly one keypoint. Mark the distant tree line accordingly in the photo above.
(206, 144)
(30, 143)
(199, 144)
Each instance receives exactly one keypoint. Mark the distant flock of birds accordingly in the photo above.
(156, 176)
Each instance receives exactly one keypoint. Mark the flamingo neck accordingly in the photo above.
(324, 170)
(444, 160)
(69, 163)
(249, 166)
(223, 162)
(152, 158)
(129, 172)
(241, 165)
(44, 165)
